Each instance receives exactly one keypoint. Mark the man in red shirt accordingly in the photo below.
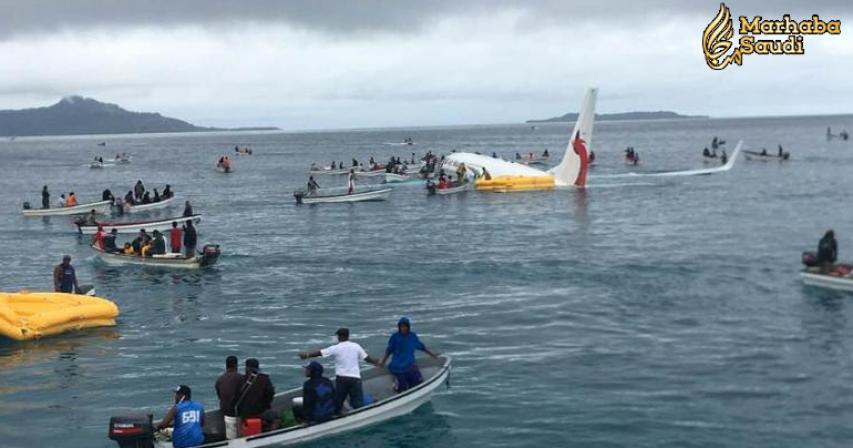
(176, 237)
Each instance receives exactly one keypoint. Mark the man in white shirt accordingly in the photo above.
(347, 356)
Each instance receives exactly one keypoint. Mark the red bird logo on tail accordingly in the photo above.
(579, 145)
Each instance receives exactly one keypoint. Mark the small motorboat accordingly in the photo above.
(839, 277)
(362, 196)
(31, 315)
(138, 430)
(207, 257)
(100, 208)
(100, 165)
(764, 156)
(433, 189)
(164, 203)
(132, 227)
(224, 169)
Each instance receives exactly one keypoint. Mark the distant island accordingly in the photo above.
(76, 115)
(659, 115)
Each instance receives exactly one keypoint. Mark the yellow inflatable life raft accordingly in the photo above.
(32, 315)
(515, 183)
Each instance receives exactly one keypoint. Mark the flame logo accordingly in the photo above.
(716, 41)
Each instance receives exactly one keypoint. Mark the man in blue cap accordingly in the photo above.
(401, 348)
(318, 395)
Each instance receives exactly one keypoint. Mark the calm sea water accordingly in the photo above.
(639, 312)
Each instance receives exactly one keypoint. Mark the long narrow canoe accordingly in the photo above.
(135, 226)
(146, 207)
(378, 383)
(371, 195)
(100, 208)
(766, 157)
(208, 256)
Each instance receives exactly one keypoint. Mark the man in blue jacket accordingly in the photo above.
(401, 348)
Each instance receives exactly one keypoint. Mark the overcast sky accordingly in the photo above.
(350, 63)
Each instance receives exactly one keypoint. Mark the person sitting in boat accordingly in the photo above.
(763, 151)
(176, 236)
(158, 245)
(546, 154)
(724, 157)
(167, 192)
(72, 200)
(401, 348)
(157, 197)
(354, 162)
(442, 182)
(91, 219)
(146, 198)
(517, 156)
(186, 418)
(107, 195)
(129, 198)
(318, 396)
(341, 165)
(706, 152)
(65, 277)
(98, 239)
(140, 241)
(494, 155)
(127, 249)
(110, 242)
(255, 396)
(347, 356)
(62, 201)
(188, 209)
(827, 251)
(313, 186)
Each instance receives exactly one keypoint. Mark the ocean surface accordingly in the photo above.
(639, 312)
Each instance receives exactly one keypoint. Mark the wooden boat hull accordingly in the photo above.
(162, 225)
(373, 195)
(100, 208)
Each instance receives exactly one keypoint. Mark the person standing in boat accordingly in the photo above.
(65, 277)
(827, 251)
(188, 209)
(138, 190)
(176, 236)
(347, 355)
(186, 418)
(351, 182)
(313, 186)
(226, 387)
(190, 239)
(62, 201)
(167, 192)
(107, 195)
(401, 348)
(45, 197)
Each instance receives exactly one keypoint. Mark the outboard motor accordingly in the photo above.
(209, 254)
(809, 259)
(134, 431)
(298, 195)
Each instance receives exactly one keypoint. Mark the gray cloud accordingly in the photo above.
(363, 17)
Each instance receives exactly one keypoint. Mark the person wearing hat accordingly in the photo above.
(255, 396)
(318, 395)
(65, 277)
(401, 348)
(347, 356)
(186, 418)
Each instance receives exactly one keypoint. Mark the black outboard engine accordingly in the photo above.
(809, 259)
(134, 431)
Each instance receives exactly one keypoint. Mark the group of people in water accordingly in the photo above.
(246, 400)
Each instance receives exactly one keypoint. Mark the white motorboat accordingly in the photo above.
(764, 156)
(838, 282)
(135, 431)
(223, 169)
(433, 189)
(162, 225)
(100, 208)
(148, 207)
(362, 196)
(207, 257)
(100, 165)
